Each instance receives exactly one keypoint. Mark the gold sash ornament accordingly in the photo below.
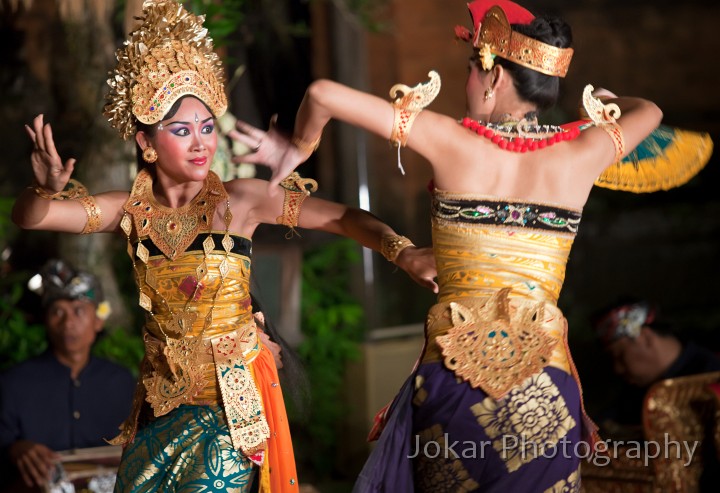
(495, 346)
(242, 402)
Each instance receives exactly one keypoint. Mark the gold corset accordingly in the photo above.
(184, 308)
(178, 292)
(501, 265)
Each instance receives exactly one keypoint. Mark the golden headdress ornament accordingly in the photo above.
(169, 56)
(494, 36)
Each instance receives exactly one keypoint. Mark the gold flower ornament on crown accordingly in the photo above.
(496, 37)
(169, 56)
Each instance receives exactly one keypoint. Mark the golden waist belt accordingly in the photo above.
(495, 343)
(184, 368)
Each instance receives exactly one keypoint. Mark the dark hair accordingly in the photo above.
(151, 130)
(531, 85)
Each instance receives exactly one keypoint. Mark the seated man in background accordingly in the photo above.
(65, 398)
(643, 351)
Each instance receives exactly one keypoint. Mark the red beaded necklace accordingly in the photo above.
(521, 136)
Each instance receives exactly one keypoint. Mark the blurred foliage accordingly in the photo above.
(332, 324)
(221, 18)
(121, 346)
(19, 339)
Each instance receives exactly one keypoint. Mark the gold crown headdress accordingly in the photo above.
(169, 56)
(494, 36)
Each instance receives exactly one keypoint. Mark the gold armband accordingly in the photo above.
(604, 116)
(73, 190)
(392, 245)
(407, 103)
(94, 214)
(297, 189)
(304, 146)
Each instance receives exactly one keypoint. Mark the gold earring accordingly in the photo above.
(489, 93)
(149, 155)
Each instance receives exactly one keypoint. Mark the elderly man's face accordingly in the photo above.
(634, 359)
(72, 326)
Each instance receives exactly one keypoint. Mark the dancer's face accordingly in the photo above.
(186, 142)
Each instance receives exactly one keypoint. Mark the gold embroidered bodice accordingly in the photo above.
(482, 245)
(501, 266)
(178, 288)
(181, 306)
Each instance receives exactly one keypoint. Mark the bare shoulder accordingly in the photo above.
(249, 191)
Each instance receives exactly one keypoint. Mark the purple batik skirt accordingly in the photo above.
(443, 435)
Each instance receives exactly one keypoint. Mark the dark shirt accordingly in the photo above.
(41, 402)
(692, 360)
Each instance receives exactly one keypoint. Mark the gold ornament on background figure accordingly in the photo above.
(149, 155)
(169, 56)
(489, 94)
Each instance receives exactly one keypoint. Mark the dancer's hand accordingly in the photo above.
(50, 173)
(269, 148)
(33, 460)
(419, 263)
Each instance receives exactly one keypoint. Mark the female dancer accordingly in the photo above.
(208, 409)
(495, 403)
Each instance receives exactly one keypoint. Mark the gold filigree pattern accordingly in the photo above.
(605, 116)
(408, 102)
(172, 230)
(444, 472)
(167, 390)
(534, 415)
(297, 189)
(243, 406)
(496, 37)
(569, 485)
(494, 348)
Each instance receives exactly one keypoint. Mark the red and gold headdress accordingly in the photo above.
(494, 36)
(169, 56)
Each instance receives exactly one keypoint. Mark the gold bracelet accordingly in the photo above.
(392, 245)
(94, 214)
(304, 146)
(73, 190)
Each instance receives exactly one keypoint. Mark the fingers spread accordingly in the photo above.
(49, 141)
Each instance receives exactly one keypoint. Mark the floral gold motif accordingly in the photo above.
(493, 347)
(534, 412)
